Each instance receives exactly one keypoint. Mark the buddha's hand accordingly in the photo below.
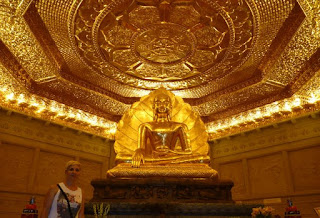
(137, 158)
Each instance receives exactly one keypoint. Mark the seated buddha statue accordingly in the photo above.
(161, 136)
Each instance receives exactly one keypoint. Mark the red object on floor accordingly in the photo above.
(30, 210)
(292, 211)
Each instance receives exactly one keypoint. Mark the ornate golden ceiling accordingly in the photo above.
(224, 57)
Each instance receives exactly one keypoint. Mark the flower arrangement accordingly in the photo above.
(265, 212)
(101, 211)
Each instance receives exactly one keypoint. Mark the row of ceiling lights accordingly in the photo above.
(57, 112)
(268, 114)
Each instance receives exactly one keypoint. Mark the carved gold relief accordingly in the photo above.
(164, 44)
(164, 35)
(178, 15)
(213, 50)
(124, 58)
(16, 35)
(148, 71)
(144, 15)
(117, 36)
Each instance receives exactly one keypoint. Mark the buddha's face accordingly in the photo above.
(162, 103)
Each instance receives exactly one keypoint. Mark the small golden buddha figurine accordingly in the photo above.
(161, 136)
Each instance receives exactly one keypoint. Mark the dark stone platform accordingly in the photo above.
(167, 197)
(176, 209)
(162, 190)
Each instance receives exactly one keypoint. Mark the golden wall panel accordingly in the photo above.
(89, 170)
(307, 204)
(278, 162)
(15, 164)
(267, 175)
(305, 166)
(280, 134)
(18, 125)
(264, 151)
(50, 170)
(33, 156)
(234, 171)
(12, 204)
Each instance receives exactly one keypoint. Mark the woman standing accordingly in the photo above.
(65, 199)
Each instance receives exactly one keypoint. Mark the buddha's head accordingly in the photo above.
(162, 106)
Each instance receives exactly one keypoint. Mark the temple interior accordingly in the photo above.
(70, 69)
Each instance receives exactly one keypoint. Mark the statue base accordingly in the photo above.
(166, 196)
(162, 190)
(186, 170)
(174, 209)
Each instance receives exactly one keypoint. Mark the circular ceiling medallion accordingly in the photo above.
(164, 44)
(159, 43)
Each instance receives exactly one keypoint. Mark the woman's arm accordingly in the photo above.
(48, 201)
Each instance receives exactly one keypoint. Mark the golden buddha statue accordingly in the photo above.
(161, 139)
(161, 136)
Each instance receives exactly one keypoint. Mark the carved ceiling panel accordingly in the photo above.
(178, 43)
(224, 57)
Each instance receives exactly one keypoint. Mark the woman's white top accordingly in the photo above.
(59, 207)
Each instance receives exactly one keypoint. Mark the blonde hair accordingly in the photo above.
(70, 163)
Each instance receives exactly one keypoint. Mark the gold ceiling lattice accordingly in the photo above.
(225, 58)
(182, 49)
